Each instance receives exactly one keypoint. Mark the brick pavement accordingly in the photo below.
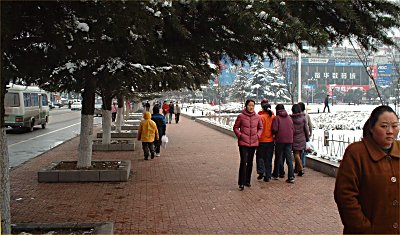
(191, 188)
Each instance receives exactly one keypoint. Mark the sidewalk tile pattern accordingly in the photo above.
(191, 188)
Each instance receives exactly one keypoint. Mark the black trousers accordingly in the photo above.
(246, 164)
(177, 117)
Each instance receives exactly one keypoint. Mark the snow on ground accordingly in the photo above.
(343, 124)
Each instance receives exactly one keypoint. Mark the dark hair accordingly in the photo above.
(373, 118)
(279, 107)
(302, 106)
(156, 109)
(267, 108)
(248, 101)
(296, 108)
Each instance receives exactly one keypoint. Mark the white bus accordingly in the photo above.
(26, 106)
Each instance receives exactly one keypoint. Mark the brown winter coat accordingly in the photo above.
(367, 188)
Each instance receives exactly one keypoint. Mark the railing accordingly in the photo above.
(330, 148)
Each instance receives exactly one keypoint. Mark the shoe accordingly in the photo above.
(247, 185)
(146, 158)
(274, 178)
(260, 176)
(152, 157)
(157, 154)
(296, 171)
(266, 179)
(301, 173)
(241, 187)
(290, 180)
(282, 176)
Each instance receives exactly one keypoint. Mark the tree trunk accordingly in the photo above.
(120, 114)
(5, 215)
(86, 136)
(106, 126)
(106, 119)
(127, 109)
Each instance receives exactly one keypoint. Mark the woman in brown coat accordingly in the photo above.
(367, 190)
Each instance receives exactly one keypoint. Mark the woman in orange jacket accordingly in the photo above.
(265, 148)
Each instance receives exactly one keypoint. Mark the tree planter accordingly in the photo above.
(135, 117)
(101, 171)
(123, 134)
(115, 145)
(132, 122)
(127, 127)
(63, 228)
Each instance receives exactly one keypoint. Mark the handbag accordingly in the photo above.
(164, 141)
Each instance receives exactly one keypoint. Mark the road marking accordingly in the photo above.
(44, 134)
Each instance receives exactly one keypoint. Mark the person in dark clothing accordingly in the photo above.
(171, 111)
(147, 106)
(161, 126)
(326, 102)
(282, 128)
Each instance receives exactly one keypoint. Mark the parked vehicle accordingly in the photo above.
(76, 105)
(26, 106)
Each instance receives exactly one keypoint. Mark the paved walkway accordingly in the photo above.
(191, 188)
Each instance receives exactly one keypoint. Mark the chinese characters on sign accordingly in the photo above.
(327, 75)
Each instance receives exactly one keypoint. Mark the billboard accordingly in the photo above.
(325, 71)
(384, 74)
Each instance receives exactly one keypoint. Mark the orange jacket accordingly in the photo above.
(266, 135)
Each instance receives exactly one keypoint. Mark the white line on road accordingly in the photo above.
(44, 134)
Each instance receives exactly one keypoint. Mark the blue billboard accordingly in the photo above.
(384, 74)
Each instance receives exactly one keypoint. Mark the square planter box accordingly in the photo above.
(119, 172)
(127, 127)
(63, 228)
(126, 134)
(117, 145)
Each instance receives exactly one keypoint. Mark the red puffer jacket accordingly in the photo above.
(248, 128)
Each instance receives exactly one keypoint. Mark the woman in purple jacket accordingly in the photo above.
(247, 128)
(300, 137)
(282, 127)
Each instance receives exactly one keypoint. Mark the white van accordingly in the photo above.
(26, 106)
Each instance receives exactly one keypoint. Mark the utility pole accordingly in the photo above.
(299, 76)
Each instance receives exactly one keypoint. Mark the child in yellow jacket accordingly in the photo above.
(147, 133)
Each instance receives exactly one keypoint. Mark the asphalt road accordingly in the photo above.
(63, 125)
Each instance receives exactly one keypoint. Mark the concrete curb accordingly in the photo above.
(50, 175)
(99, 228)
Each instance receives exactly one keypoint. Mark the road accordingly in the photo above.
(63, 125)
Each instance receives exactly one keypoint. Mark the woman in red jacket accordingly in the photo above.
(248, 129)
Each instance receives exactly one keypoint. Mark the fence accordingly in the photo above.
(330, 148)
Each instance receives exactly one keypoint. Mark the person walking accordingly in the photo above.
(165, 109)
(248, 129)
(177, 111)
(265, 150)
(113, 111)
(300, 137)
(282, 128)
(310, 128)
(147, 133)
(326, 102)
(147, 106)
(161, 127)
(368, 179)
(171, 111)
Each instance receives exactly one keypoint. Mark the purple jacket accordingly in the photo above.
(300, 136)
(282, 127)
(248, 128)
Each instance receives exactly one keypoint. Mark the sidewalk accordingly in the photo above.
(191, 188)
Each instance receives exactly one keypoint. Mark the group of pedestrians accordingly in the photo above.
(154, 126)
(170, 109)
(265, 134)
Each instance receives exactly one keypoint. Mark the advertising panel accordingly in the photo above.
(384, 74)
